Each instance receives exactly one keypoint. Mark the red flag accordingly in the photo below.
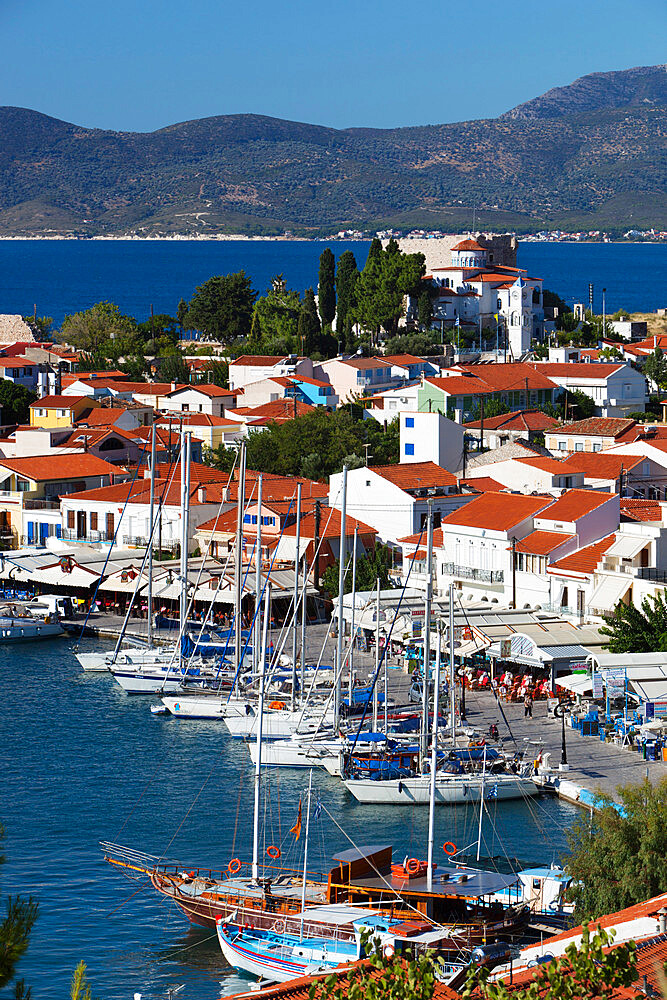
(296, 829)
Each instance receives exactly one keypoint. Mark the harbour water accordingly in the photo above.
(63, 276)
(80, 762)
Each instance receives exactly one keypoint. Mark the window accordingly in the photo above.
(62, 413)
(578, 445)
(186, 406)
(70, 518)
(409, 421)
(110, 527)
(409, 449)
(246, 519)
(254, 519)
(93, 520)
(562, 446)
(597, 447)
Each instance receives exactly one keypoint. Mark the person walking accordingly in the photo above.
(528, 705)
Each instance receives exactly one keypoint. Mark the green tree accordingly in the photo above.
(159, 331)
(15, 402)
(217, 373)
(633, 629)
(413, 343)
(492, 408)
(174, 369)
(588, 971)
(380, 977)
(80, 988)
(41, 326)
(15, 928)
(375, 565)
(388, 276)
(611, 354)
(424, 311)
(617, 859)
(182, 314)
(579, 405)
(326, 287)
(222, 307)
(276, 320)
(347, 273)
(308, 326)
(655, 369)
(136, 367)
(102, 331)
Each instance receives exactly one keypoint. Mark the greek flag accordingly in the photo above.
(318, 809)
(492, 792)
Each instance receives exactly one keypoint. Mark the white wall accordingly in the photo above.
(431, 437)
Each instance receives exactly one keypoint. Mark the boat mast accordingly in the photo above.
(304, 609)
(341, 584)
(260, 722)
(427, 632)
(185, 526)
(452, 672)
(295, 624)
(258, 580)
(481, 805)
(305, 852)
(434, 761)
(350, 683)
(151, 517)
(377, 656)
(238, 561)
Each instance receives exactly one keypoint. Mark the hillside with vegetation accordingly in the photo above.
(591, 154)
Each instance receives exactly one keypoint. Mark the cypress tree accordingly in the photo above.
(308, 328)
(346, 279)
(326, 287)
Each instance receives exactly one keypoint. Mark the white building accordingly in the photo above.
(356, 376)
(431, 437)
(530, 474)
(616, 388)
(249, 368)
(394, 499)
(210, 399)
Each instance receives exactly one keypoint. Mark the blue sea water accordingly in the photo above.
(64, 276)
(81, 762)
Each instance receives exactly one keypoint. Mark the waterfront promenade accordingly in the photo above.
(595, 766)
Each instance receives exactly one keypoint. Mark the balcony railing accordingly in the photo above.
(651, 573)
(471, 573)
(41, 505)
(72, 535)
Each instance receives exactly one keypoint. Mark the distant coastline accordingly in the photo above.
(241, 237)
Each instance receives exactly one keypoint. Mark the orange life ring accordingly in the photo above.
(449, 848)
(412, 866)
(273, 851)
(234, 866)
(277, 704)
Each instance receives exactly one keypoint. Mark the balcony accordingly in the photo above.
(471, 573)
(72, 535)
(41, 504)
(651, 573)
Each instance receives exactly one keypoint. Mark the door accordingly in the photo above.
(110, 527)
(581, 606)
(80, 524)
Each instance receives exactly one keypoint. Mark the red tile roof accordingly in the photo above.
(139, 492)
(601, 465)
(58, 402)
(200, 420)
(483, 484)
(101, 416)
(545, 464)
(205, 389)
(259, 360)
(55, 467)
(641, 510)
(415, 475)
(598, 426)
(517, 420)
(584, 560)
(476, 379)
(574, 504)
(278, 411)
(598, 370)
(541, 543)
(472, 245)
(403, 359)
(364, 363)
(497, 511)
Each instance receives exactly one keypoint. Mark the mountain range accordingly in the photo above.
(587, 156)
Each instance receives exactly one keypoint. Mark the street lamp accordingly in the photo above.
(560, 711)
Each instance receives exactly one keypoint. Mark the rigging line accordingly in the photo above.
(238, 809)
(150, 781)
(386, 644)
(125, 901)
(106, 561)
(216, 762)
(179, 951)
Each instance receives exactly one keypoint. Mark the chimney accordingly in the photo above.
(662, 919)
(201, 494)
(174, 386)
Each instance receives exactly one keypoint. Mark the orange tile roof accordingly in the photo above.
(517, 420)
(55, 467)
(404, 359)
(468, 245)
(598, 426)
(279, 410)
(600, 370)
(58, 402)
(419, 538)
(415, 475)
(541, 543)
(205, 388)
(512, 375)
(601, 464)
(259, 359)
(139, 492)
(200, 420)
(497, 511)
(545, 464)
(364, 363)
(198, 472)
(483, 484)
(101, 416)
(641, 510)
(574, 504)
(584, 560)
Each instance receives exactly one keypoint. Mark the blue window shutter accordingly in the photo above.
(409, 449)
(409, 421)
(31, 531)
(59, 531)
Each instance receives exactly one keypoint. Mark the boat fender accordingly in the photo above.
(412, 866)
(273, 851)
(400, 787)
(449, 848)
(279, 926)
(234, 866)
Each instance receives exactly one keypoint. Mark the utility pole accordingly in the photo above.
(481, 423)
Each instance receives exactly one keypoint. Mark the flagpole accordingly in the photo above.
(305, 853)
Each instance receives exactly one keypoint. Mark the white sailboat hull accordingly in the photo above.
(449, 789)
(150, 680)
(276, 724)
(101, 662)
(194, 706)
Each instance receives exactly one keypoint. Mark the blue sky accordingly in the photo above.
(143, 64)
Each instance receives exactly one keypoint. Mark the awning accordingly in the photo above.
(577, 683)
(608, 593)
(470, 647)
(626, 546)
